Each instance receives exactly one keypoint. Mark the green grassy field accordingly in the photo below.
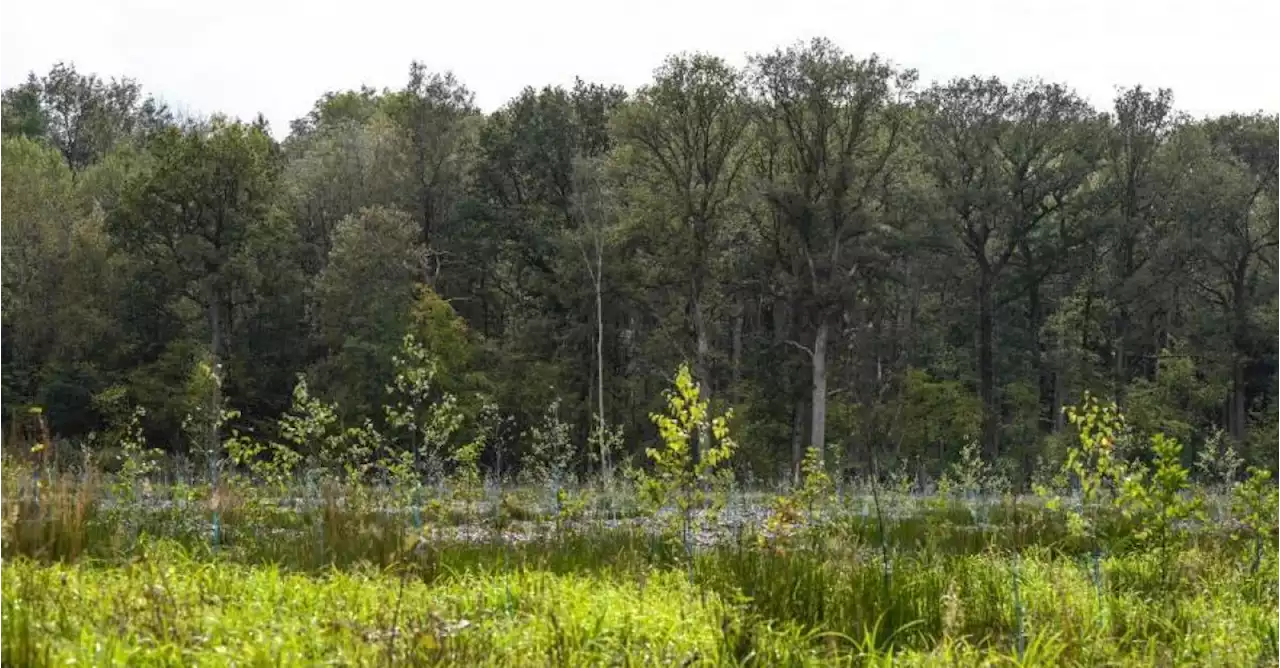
(1114, 561)
(346, 581)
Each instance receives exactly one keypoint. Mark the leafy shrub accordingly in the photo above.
(698, 487)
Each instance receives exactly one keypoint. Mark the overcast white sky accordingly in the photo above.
(277, 57)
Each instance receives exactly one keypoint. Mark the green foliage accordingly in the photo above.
(762, 424)
(310, 432)
(1079, 318)
(23, 115)
(137, 461)
(445, 335)
(271, 464)
(466, 458)
(202, 416)
(970, 476)
(576, 241)
(816, 485)
(698, 488)
(1159, 500)
(607, 440)
(354, 451)
(363, 298)
(429, 418)
(309, 426)
(60, 283)
(1177, 401)
(80, 115)
(1093, 464)
(1255, 502)
(1217, 463)
(816, 488)
(606, 596)
(935, 414)
(1010, 216)
(1265, 432)
(517, 618)
(193, 212)
(403, 476)
(1022, 402)
(551, 450)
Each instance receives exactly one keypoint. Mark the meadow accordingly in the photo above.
(340, 580)
(1116, 562)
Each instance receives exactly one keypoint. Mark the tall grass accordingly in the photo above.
(335, 572)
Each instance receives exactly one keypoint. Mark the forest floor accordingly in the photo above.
(175, 575)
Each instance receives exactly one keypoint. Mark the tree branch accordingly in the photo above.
(801, 346)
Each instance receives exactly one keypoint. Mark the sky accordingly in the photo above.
(277, 57)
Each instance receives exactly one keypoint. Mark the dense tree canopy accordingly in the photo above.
(849, 258)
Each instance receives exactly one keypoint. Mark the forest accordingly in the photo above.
(848, 258)
(807, 362)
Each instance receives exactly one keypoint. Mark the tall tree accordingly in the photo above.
(684, 139)
(1006, 160)
(525, 234)
(343, 163)
(191, 214)
(594, 223)
(23, 114)
(835, 125)
(434, 109)
(81, 115)
(361, 304)
(37, 218)
(1140, 184)
(1229, 204)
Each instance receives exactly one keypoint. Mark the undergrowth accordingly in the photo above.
(1114, 562)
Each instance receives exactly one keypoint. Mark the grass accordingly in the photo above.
(168, 609)
(165, 606)
(346, 579)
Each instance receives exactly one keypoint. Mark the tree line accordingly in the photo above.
(848, 258)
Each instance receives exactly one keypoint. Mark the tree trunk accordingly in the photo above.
(818, 426)
(604, 454)
(1045, 376)
(215, 396)
(1124, 322)
(1239, 412)
(735, 363)
(1121, 370)
(701, 365)
(797, 441)
(1239, 416)
(1059, 389)
(986, 366)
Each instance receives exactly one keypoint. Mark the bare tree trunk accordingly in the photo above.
(818, 426)
(591, 214)
(605, 464)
